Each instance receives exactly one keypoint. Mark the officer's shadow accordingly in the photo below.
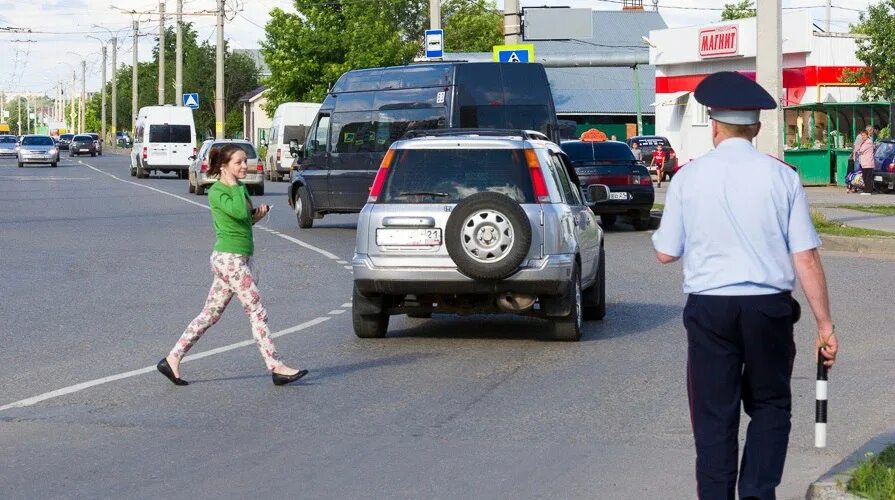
(632, 318)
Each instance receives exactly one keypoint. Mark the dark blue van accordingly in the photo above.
(368, 109)
(884, 170)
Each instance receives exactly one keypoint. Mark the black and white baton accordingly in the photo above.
(820, 404)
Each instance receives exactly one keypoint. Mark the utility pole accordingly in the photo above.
(27, 114)
(115, 90)
(435, 14)
(769, 73)
(637, 99)
(512, 22)
(829, 6)
(82, 122)
(102, 120)
(19, 121)
(161, 53)
(219, 77)
(72, 123)
(178, 58)
(134, 79)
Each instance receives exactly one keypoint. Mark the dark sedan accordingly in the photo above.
(612, 163)
(82, 144)
(64, 141)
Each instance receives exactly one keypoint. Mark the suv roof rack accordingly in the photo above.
(532, 135)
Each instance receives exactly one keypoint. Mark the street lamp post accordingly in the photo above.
(102, 119)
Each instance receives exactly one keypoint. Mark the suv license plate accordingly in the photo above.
(878, 178)
(618, 196)
(408, 237)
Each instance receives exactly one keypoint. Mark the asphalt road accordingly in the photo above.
(101, 274)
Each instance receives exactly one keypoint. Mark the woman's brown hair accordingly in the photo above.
(218, 156)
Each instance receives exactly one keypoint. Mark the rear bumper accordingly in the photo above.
(641, 200)
(250, 180)
(39, 159)
(881, 177)
(173, 168)
(549, 276)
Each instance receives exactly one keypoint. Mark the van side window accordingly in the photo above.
(353, 132)
(318, 139)
(392, 124)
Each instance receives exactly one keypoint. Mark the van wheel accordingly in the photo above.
(259, 190)
(189, 182)
(54, 164)
(141, 174)
(274, 175)
(594, 298)
(21, 165)
(200, 189)
(304, 214)
(568, 328)
(488, 236)
(134, 172)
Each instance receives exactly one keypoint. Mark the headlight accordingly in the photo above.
(52, 151)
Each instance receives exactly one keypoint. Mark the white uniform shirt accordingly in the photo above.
(735, 215)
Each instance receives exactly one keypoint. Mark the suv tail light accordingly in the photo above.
(260, 166)
(892, 167)
(279, 154)
(537, 177)
(379, 181)
(203, 167)
(145, 152)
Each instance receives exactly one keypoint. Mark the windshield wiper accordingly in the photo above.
(425, 193)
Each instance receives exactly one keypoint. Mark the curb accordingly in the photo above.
(877, 246)
(831, 485)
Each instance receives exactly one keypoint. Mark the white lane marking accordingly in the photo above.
(283, 236)
(347, 267)
(335, 312)
(22, 178)
(346, 304)
(133, 373)
(342, 261)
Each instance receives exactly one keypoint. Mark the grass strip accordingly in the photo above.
(871, 209)
(875, 476)
(658, 207)
(826, 226)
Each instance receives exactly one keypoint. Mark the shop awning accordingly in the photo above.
(670, 99)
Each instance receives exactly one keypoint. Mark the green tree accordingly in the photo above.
(307, 52)
(740, 10)
(875, 50)
(472, 25)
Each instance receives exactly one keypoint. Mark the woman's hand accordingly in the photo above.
(260, 212)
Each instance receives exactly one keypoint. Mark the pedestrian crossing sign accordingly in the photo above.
(191, 100)
(522, 53)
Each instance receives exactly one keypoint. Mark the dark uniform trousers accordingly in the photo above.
(740, 348)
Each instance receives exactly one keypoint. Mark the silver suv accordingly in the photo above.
(478, 221)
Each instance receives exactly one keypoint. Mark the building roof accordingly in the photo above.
(253, 95)
(605, 91)
(256, 56)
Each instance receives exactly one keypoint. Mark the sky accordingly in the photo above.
(37, 62)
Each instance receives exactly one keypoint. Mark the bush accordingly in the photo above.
(875, 476)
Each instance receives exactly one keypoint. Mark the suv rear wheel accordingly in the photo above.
(367, 326)
(568, 328)
(488, 236)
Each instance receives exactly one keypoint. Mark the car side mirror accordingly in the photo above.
(192, 157)
(598, 193)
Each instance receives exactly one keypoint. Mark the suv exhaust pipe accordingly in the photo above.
(515, 302)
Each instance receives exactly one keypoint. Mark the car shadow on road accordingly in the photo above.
(344, 369)
(632, 318)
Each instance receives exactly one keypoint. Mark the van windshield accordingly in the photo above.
(450, 175)
(179, 134)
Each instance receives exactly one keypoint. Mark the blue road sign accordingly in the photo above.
(522, 53)
(434, 44)
(191, 100)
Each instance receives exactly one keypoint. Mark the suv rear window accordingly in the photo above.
(450, 175)
(591, 152)
(179, 134)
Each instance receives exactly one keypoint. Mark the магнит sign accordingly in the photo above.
(718, 41)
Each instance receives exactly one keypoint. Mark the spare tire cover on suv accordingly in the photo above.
(488, 236)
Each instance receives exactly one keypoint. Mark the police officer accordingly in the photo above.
(740, 221)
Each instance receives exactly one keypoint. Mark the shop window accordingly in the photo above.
(700, 114)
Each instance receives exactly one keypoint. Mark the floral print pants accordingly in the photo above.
(232, 275)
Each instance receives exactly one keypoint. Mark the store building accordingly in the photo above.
(823, 111)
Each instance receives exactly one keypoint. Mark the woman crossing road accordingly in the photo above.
(233, 217)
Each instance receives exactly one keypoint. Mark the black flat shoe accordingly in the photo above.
(287, 379)
(165, 369)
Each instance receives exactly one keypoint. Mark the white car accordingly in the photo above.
(199, 180)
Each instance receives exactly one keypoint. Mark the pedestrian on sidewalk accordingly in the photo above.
(638, 153)
(743, 239)
(233, 216)
(659, 161)
(865, 158)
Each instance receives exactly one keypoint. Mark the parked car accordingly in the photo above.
(123, 139)
(64, 141)
(368, 109)
(884, 169)
(97, 140)
(9, 145)
(199, 181)
(37, 149)
(612, 163)
(165, 139)
(82, 144)
(291, 121)
(648, 144)
(475, 222)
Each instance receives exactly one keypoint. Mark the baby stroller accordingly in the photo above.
(854, 181)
